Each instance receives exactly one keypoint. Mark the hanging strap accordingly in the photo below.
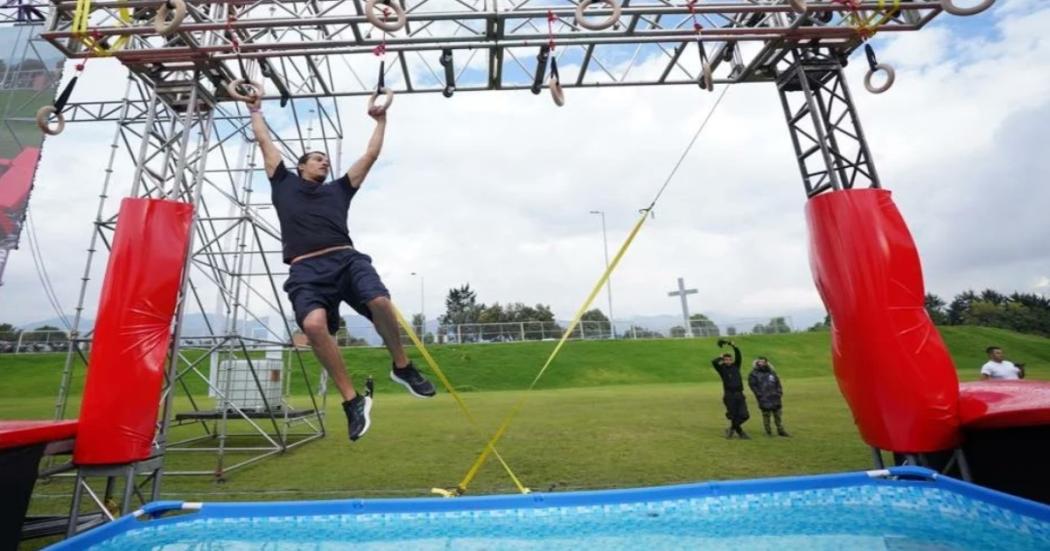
(645, 213)
(473, 471)
(873, 62)
(63, 98)
(380, 52)
(459, 490)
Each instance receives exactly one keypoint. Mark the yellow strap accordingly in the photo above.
(575, 321)
(878, 18)
(81, 15)
(462, 405)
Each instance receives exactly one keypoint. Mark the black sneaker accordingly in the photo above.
(782, 432)
(413, 380)
(358, 416)
(743, 435)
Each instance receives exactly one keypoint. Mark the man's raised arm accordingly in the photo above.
(359, 170)
(271, 156)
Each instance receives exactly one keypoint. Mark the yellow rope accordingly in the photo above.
(491, 446)
(473, 471)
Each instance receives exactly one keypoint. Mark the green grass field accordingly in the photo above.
(608, 414)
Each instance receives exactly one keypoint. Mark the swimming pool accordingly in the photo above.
(900, 508)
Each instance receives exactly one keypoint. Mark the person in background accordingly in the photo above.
(999, 368)
(765, 383)
(728, 368)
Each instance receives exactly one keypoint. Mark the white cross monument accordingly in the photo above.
(682, 292)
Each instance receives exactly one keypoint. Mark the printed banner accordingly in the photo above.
(30, 70)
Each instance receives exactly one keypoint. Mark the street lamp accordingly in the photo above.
(608, 282)
(422, 311)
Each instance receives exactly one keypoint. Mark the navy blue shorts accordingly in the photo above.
(324, 281)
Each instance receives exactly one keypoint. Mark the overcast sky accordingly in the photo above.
(494, 189)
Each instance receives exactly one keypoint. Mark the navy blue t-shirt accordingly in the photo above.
(313, 216)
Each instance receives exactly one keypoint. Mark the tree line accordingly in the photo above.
(1020, 312)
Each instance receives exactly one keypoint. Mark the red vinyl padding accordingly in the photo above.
(132, 332)
(15, 434)
(891, 364)
(1004, 404)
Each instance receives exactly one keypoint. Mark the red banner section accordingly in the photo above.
(891, 364)
(133, 332)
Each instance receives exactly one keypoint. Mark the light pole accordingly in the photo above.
(608, 282)
(422, 311)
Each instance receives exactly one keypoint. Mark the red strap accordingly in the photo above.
(551, 18)
(692, 13)
(380, 50)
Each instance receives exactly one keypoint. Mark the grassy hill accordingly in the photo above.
(581, 364)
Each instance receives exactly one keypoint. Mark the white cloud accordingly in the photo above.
(494, 189)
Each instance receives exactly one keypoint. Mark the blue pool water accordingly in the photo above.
(867, 515)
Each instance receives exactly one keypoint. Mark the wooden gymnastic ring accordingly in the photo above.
(891, 76)
(43, 120)
(557, 94)
(376, 21)
(950, 7)
(601, 25)
(799, 5)
(232, 88)
(708, 76)
(177, 8)
(375, 95)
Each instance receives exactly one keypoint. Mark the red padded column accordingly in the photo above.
(890, 361)
(133, 332)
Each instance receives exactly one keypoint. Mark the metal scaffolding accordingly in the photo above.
(188, 142)
(325, 48)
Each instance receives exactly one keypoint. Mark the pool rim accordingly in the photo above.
(159, 512)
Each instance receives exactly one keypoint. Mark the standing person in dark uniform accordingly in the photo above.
(728, 368)
(765, 383)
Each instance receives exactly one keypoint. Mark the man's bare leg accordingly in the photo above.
(315, 325)
(386, 324)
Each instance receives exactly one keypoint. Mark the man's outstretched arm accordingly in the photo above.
(271, 156)
(359, 170)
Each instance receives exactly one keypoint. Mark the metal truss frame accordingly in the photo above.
(830, 146)
(312, 48)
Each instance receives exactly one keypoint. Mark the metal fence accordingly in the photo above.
(21, 342)
(599, 330)
(24, 342)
